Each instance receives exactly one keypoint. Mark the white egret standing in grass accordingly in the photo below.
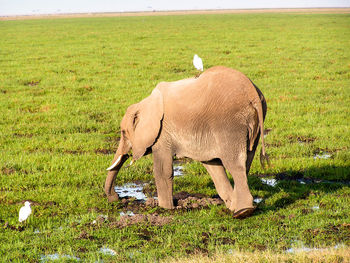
(197, 62)
(24, 212)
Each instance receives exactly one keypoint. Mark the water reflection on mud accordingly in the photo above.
(131, 190)
(178, 170)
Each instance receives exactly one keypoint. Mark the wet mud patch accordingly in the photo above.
(184, 200)
(133, 190)
(152, 219)
(133, 211)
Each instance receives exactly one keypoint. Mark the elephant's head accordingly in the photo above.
(140, 128)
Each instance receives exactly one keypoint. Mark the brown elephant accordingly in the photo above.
(215, 119)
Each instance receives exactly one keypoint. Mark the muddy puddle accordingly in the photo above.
(178, 170)
(258, 200)
(269, 181)
(324, 155)
(107, 251)
(131, 190)
(136, 190)
(282, 177)
(134, 211)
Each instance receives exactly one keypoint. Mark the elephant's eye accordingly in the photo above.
(123, 132)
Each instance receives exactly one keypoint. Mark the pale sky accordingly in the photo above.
(32, 7)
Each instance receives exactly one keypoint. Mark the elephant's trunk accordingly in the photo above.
(112, 173)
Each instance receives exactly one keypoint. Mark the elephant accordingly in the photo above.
(215, 118)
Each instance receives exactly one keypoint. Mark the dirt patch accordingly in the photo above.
(225, 241)
(10, 170)
(104, 151)
(154, 220)
(306, 211)
(32, 83)
(23, 135)
(84, 235)
(195, 201)
(274, 144)
(182, 200)
(185, 200)
(7, 170)
(13, 227)
(74, 152)
(300, 139)
(259, 247)
(132, 209)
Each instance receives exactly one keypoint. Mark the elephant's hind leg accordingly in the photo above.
(237, 168)
(222, 184)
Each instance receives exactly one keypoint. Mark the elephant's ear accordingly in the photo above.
(146, 123)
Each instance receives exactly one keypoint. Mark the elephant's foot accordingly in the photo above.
(167, 204)
(113, 197)
(243, 213)
(230, 203)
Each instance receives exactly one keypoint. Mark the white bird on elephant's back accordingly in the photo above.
(197, 62)
(24, 212)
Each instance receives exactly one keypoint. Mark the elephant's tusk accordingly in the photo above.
(115, 163)
(131, 162)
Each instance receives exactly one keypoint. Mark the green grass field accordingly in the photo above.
(66, 83)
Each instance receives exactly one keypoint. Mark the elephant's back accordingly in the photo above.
(219, 89)
(219, 94)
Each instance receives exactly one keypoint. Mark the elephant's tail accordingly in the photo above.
(263, 155)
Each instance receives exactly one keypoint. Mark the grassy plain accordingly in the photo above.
(65, 85)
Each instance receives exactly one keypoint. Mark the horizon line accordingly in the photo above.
(179, 12)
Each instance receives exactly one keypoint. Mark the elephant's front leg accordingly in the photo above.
(163, 173)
